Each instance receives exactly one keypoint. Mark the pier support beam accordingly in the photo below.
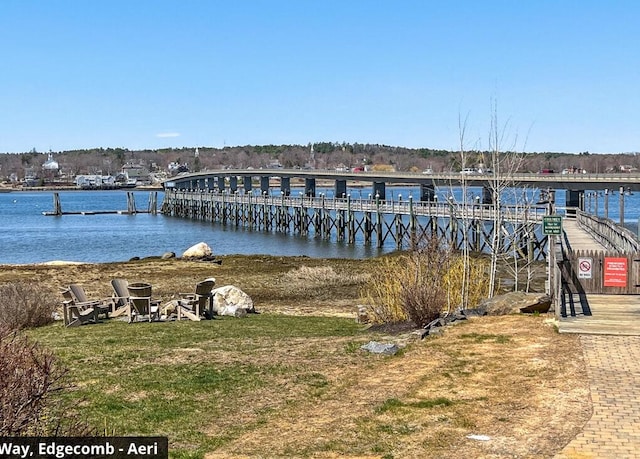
(573, 200)
(379, 190)
(340, 189)
(57, 207)
(246, 184)
(233, 183)
(131, 203)
(487, 195)
(310, 187)
(285, 186)
(211, 183)
(427, 192)
(221, 184)
(264, 184)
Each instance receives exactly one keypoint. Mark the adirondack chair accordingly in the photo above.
(141, 304)
(120, 297)
(102, 306)
(76, 313)
(197, 304)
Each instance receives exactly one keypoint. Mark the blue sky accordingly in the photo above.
(152, 74)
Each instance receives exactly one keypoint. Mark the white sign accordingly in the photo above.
(584, 268)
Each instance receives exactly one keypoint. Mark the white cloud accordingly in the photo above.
(164, 135)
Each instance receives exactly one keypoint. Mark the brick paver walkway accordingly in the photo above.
(613, 431)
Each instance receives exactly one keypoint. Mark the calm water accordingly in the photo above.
(27, 236)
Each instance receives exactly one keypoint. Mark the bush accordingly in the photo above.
(382, 293)
(30, 377)
(424, 292)
(421, 285)
(24, 305)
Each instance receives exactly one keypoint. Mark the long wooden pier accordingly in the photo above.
(376, 222)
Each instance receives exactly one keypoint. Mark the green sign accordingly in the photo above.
(552, 225)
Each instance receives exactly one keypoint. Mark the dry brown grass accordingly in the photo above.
(504, 377)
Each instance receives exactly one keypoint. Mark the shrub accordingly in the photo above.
(421, 285)
(477, 288)
(30, 377)
(382, 293)
(423, 290)
(24, 305)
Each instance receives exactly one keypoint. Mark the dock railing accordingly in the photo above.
(611, 235)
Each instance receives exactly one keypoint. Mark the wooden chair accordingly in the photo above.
(75, 313)
(194, 305)
(120, 298)
(140, 303)
(102, 306)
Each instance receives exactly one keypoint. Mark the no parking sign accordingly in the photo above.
(584, 268)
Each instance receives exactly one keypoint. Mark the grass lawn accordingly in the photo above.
(292, 381)
(298, 386)
(200, 383)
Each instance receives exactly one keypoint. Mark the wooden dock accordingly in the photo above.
(131, 207)
(578, 238)
(591, 313)
(610, 315)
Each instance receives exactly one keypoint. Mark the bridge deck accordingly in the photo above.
(580, 239)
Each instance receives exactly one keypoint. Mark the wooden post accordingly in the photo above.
(368, 228)
(304, 228)
(57, 207)
(350, 225)
(131, 203)
(380, 239)
(621, 200)
(412, 225)
(399, 230)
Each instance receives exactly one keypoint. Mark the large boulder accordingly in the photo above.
(231, 301)
(198, 251)
(515, 302)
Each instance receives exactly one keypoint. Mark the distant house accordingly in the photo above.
(177, 168)
(136, 172)
(627, 168)
(89, 182)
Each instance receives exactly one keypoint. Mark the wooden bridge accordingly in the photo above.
(594, 266)
(597, 278)
(399, 223)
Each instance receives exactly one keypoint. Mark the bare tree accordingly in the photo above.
(504, 164)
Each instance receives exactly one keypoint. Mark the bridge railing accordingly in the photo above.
(470, 210)
(609, 234)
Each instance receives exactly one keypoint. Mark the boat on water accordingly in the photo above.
(130, 183)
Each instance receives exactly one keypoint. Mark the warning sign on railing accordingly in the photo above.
(585, 266)
(615, 272)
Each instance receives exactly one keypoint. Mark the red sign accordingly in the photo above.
(615, 272)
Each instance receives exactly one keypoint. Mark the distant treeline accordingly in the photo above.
(321, 155)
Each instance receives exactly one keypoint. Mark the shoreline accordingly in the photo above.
(75, 188)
